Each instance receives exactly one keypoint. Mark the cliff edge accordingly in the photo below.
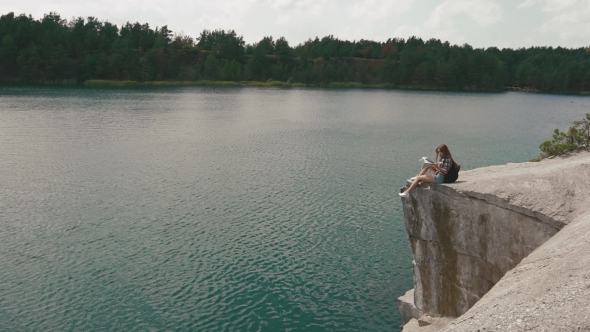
(505, 248)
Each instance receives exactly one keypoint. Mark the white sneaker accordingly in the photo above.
(404, 194)
(413, 178)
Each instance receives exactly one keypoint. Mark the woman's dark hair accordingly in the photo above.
(444, 149)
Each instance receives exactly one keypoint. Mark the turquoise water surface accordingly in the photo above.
(232, 209)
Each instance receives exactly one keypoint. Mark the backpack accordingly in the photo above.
(453, 174)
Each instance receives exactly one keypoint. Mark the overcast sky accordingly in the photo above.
(480, 23)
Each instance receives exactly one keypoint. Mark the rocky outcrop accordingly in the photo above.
(407, 308)
(466, 237)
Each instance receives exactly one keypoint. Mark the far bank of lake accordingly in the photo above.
(274, 83)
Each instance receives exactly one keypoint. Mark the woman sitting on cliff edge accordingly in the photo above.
(437, 171)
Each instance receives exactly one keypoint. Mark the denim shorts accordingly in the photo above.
(439, 178)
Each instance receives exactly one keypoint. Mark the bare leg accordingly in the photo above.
(424, 170)
(423, 178)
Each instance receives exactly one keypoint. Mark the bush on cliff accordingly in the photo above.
(575, 138)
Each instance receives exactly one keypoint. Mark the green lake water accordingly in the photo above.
(229, 209)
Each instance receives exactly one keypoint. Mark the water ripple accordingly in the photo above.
(225, 209)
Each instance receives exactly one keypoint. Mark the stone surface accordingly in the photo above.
(548, 291)
(466, 236)
(407, 308)
(425, 321)
(436, 324)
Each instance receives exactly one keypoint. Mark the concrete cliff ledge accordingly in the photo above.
(505, 248)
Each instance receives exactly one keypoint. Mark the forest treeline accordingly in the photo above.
(52, 49)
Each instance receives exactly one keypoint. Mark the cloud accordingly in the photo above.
(291, 4)
(549, 5)
(378, 9)
(558, 5)
(527, 4)
(555, 22)
(283, 19)
(483, 12)
(571, 22)
(155, 12)
(442, 23)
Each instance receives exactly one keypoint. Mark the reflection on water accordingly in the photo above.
(229, 209)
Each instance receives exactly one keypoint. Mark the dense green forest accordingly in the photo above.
(56, 50)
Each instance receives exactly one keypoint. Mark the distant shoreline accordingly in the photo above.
(273, 83)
